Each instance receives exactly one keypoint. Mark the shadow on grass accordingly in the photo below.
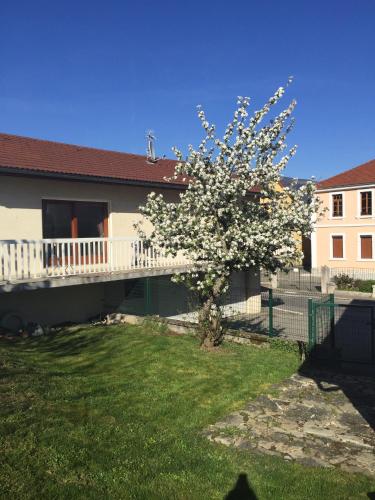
(252, 324)
(241, 490)
(96, 348)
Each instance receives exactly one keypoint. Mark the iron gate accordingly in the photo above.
(342, 332)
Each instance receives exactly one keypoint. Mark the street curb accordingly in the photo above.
(347, 293)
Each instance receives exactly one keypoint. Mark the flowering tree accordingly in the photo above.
(231, 216)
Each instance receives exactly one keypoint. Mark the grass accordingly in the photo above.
(118, 413)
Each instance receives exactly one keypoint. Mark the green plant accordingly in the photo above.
(96, 413)
(365, 285)
(284, 345)
(154, 324)
(344, 281)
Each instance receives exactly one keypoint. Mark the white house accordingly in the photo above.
(68, 248)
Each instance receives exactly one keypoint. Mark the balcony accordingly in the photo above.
(31, 264)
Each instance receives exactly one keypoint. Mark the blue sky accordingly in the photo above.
(103, 73)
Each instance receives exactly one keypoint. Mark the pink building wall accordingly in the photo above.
(351, 225)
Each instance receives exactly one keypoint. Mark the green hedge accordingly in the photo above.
(364, 285)
(345, 282)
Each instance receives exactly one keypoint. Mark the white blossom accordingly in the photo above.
(219, 223)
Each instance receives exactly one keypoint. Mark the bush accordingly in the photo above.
(284, 345)
(344, 282)
(365, 285)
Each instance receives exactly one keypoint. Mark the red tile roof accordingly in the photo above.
(47, 157)
(39, 157)
(363, 174)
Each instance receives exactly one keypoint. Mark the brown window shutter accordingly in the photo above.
(366, 247)
(337, 247)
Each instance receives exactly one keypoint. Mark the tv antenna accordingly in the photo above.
(151, 156)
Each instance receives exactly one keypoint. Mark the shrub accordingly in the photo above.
(284, 345)
(344, 281)
(154, 324)
(365, 285)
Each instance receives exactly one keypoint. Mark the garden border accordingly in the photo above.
(186, 328)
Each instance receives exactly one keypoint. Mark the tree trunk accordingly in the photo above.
(209, 318)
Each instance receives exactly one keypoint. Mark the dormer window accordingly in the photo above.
(337, 205)
(366, 203)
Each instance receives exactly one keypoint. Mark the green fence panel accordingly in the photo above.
(270, 313)
(310, 325)
(332, 317)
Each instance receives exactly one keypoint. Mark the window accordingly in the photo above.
(337, 205)
(74, 219)
(366, 247)
(337, 247)
(366, 202)
(57, 219)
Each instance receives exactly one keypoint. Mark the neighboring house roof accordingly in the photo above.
(287, 181)
(363, 174)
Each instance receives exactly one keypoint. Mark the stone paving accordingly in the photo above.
(317, 419)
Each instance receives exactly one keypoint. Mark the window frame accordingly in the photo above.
(74, 222)
(359, 203)
(331, 257)
(337, 217)
(359, 247)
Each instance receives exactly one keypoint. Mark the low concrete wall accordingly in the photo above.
(353, 295)
(51, 306)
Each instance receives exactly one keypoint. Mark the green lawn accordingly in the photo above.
(117, 412)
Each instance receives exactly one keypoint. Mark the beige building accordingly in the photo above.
(345, 236)
(68, 248)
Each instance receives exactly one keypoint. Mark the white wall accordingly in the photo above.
(21, 203)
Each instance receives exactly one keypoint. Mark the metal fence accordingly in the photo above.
(282, 313)
(299, 279)
(157, 296)
(295, 278)
(290, 313)
(275, 313)
(342, 333)
(354, 273)
(239, 317)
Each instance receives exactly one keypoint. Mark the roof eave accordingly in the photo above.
(25, 172)
(345, 186)
(17, 171)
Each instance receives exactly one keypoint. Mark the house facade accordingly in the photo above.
(68, 247)
(303, 242)
(345, 236)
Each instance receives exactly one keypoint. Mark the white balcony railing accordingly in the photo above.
(28, 259)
